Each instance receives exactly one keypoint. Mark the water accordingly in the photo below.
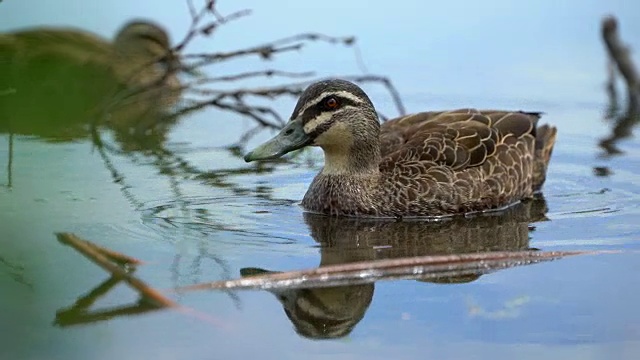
(217, 216)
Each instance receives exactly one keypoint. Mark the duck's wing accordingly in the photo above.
(458, 138)
(489, 155)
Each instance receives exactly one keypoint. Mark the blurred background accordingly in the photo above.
(182, 199)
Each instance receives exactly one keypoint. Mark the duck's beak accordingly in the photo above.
(291, 137)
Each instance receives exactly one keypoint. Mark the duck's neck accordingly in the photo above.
(356, 159)
(349, 151)
(346, 184)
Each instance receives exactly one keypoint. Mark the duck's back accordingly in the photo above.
(438, 163)
(71, 44)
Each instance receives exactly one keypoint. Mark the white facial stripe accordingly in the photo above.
(341, 93)
(310, 126)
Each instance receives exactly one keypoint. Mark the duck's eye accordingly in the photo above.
(331, 103)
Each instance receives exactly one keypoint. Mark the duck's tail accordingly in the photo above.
(545, 140)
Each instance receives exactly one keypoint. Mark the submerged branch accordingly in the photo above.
(101, 258)
(621, 56)
(79, 313)
(620, 59)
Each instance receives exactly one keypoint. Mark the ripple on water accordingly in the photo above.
(228, 220)
(587, 210)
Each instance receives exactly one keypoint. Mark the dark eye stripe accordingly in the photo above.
(319, 108)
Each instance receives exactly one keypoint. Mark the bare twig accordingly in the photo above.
(239, 107)
(349, 40)
(197, 94)
(267, 50)
(80, 313)
(293, 89)
(234, 100)
(247, 75)
(263, 52)
(192, 10)
(95, 254)
(207, 29)
(117, 257)
(267, 92)
(388, 269)
(151, 299)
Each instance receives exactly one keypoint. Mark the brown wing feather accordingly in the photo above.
(458, 138)
(464, 160)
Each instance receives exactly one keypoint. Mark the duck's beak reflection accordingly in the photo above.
(291, 137)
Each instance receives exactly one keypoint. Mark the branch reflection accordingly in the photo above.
(323, 313)
(622, 120)
(79, 313)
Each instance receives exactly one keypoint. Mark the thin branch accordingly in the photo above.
(80, 313)
(196, 18)
(267, 50)
(234, 100)
(253, 112)
(192, 10)
(247, 75)
(114, 256)
(96, 256)
(388, 269)
(348, 40)
(256, 112)
(268, 92)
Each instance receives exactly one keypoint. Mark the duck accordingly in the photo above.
(61, 77)
(426, 164)
(137, 43)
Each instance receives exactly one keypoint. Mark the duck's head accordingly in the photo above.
(142, 35)
(335, 115)
(143, 40)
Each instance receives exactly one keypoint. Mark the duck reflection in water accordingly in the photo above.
(333, 312)
(57, 83)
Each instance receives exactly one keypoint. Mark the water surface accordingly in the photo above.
(217, 216)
